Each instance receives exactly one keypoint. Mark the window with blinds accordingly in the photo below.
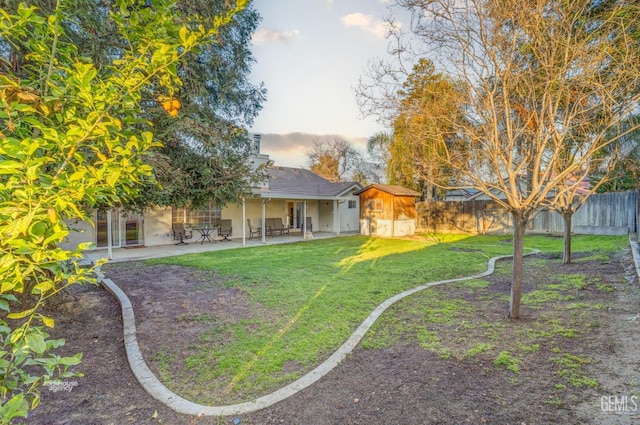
(209, 216)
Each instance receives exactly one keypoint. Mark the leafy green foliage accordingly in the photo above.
(70, 140)
(205, 155)
(422, 130)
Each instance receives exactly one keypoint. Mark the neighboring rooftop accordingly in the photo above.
(391, 189)
(464, 193)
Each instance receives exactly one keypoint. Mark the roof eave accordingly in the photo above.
(275, 195)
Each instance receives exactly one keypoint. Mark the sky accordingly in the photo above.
(310, 55)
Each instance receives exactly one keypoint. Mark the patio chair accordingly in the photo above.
(253, 230)
(180, 233)
(279, 226)
(270, 226)
(225, 230)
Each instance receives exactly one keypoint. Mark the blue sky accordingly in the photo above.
(310, 55)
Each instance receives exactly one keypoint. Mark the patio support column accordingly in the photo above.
(262, 225)
(244, 221)
(336, 216)
(109, 236)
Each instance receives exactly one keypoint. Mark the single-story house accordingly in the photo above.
(298, 197)
(387, 210)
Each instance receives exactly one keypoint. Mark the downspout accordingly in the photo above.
(264, 231)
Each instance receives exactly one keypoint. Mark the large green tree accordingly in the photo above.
(72, 138)
(426, 108)
(206, 154)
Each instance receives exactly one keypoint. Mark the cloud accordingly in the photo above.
(292, 149)
(270, 35)
(368, 23)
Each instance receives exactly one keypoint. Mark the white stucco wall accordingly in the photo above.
(384, 228)
(80, 232)
(349, 217)
(253, 210)
(405, 227)
(324, 223)
(157, 227)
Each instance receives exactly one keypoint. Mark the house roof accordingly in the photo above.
(466, 193)
(301, 183)
(391, 189)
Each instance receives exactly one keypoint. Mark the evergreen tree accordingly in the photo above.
(206, 153)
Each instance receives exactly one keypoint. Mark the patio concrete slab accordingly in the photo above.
(160, 251)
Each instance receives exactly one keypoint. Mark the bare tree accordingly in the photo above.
(572, 193)
(333, 158)
(538, 105)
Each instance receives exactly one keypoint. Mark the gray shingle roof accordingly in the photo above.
(301, 182)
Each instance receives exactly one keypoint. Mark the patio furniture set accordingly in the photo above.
(182, 232)
(273, 226)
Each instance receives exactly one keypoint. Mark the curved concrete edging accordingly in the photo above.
(635, 252)
(157, 390)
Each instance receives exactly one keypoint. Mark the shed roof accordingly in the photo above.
(391, 189)
(287, 181)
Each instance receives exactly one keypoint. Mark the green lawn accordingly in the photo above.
(308, 297)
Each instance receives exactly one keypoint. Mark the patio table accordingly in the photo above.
(205, 233)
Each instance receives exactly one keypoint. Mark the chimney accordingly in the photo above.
(256, 143)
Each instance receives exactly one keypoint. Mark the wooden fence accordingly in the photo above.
(605, 213)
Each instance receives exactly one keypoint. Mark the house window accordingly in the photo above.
(209, 216)
(375, 204)
(352, 204)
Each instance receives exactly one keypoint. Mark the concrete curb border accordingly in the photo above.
(157, 390)
(635, 251)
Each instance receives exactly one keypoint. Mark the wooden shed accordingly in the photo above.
(387, 210)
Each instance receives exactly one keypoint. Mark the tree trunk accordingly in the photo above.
(429, 185)
(519, 224)
(566, 257)
(428, 192)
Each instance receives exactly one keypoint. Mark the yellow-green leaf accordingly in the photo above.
(48, 322)
(35, 342)
(21, 314)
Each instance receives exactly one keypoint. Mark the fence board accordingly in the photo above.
(602, 213)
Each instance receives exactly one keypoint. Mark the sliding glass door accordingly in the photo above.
(126, 230)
